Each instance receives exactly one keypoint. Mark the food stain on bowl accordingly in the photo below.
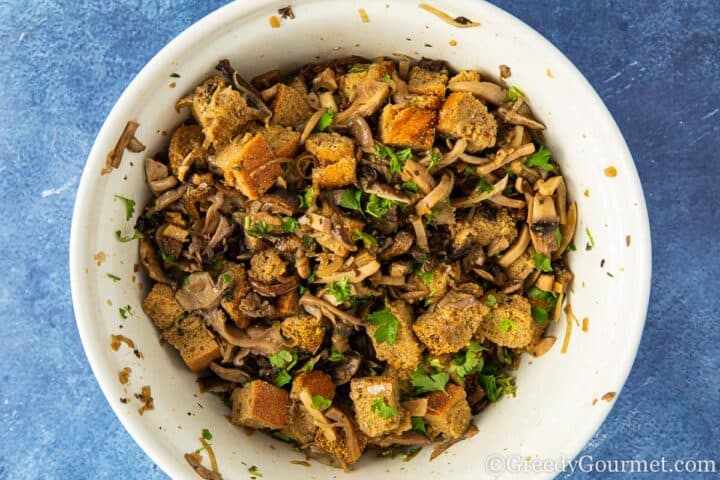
(610, 171)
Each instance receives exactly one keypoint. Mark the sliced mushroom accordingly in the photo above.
(363, 134)
(480, 196)
(234, 375)
(488, 91)
(543, 224)
(370, 97)
(198, 292)
(514, 118)
(417, 173)
(251, 95)
(567, 230)
(329, 310)
(345, 369)
(439, 194)
(325, 80)
(517, 248)
(503, 157)
(151, 261)
(356, 275)
(259, 340)
(168, 198)
(383, 190)
(277, 289)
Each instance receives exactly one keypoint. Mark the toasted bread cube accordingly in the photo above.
(185, 150)
(287, 304)
(408, 126)
(247, 165)
(339, 448)
(431, 102)
(427, 82)
(259, 404)
(448, 414)
(196, 344)
(283, 141)
(348, 83)
(315, 382)
(267, 266)
(300, 427)
(160, 305)
(289, 107)
(523, 266)
(465, 76)
(330, 147)
(511, 324)
(240, 288)
(449, 327)
(406, 352)
(220, 110)
(339, 174)
(483, 228)
(369, 391)
(303, 331)
(464, 116)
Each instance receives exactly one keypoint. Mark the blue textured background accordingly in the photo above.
(62, 66)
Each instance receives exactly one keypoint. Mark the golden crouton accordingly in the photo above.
(338, 174)
(259, 404)
(465, 76)
(160, 305)
(464, 116)
(283, 141)
(287, 303)
(435, 286)
(267, 266)
(300, 427)
(303, 331)
(483, 228)
(523, 266)
(427, 82)
(247, 164)
(405, 353)
(376, 401)
(315, 382)
(240, 288)
(330, 147)
(448, 413)
(185, 150)
(220, 110)
(196, 344)
(450, 325)
(348, 83)
(431, 102)
(407, 126)
(511, 324)
(289, 107)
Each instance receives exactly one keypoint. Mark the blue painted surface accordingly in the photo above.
(655, 63)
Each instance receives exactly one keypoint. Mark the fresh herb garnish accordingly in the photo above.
(290, 224)
(350, 199)
(226, 278)
(283, 359)
(506, 324)
(539, 315)
(397, 159)
(547, 297)
(428, 383)
(112, 277)
(358, 67)
(281, 436)
(382, 409)
(470, 362)
(325, 121)
(254, 471)
(418, 424)
(125, 311)
(320, 403)
(435, 158)
(282, 378)
(387, 326)
(410, 186)
(170, 258)
(308, 242)
(306, 198)
(129, 206)
(387, 79)
(121, 238)
(572, 247)
(335, 356)
(591, 241)
(368, 240)
(257, 229)
(206, 434)
(541, 159)
(490, 300)
(542, 262)
(514, 94)
(378, 207)
(558, 237)
(484, 186)
(340, 289)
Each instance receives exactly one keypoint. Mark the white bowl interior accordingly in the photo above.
(554, 413)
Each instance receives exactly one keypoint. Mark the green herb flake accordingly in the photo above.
(418, 424)
(226, 278)
(378, 207)
(281, 436)
(435, 158)
(313, 276)
(320, 403)
(255, 472)
(257, 229)
(410, 186)
(542, 262)
(335, 356)
(572, 247)
(174, 75)
(558, 237)
(170, 258)
(541, 159)
(306, 198)
(358, 67)
(539, 315)
(282, 378)
(112, 277)
(397, 159)
(470, 362)
(484, 186)
(206, 434)
(283, 359)
(387, 79)
(387, 326)
(129, 206)
(120, 238)
(591, 241)
(428, 383)
(490, 300)
(350, 199)
(302, 289)
(125, 312)
(290, 224)
(514, 94)
(506, 324)
(340, 289)
(368, 240)
(308, 242)
(326, 119)
(547, 297)
(382, 409)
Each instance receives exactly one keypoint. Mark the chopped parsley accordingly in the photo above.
(125, 311)
(418, 424)
(484, 186)
(490, 300)
(313, 276)
(541, 159)
(340, 289)
(387, 326)
(282, 378)
(514, 94)
(129, 206)
(428, 383)
(326, 119)
(335, 356)
(397, 159)
(427, 277)
(410, 186)
(382, 409)
(350, 199)
(547, 297)
(435, 158)
(497, 385)
(387, 79)
(539, 314)
(358, 67)
(308, 242)
(558, 237)
(175, 75)
(542, 262)
(591, 241)
(506, 324)
(368, 240)
(254, 471)
(283, 359)
(281, 436)
(307, 197)
(121, 238)
(320, 403)
(290, 224)
(206, 434)
(226, 278)
(112, 277)
(257, 229)
(572, 247)
(378, 207)
(170, 258)
(470, 362)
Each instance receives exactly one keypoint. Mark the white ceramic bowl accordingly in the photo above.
(555, 412)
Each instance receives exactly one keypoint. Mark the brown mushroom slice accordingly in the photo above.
(158, 178)
(370, 97)
(302, 264)
(316, 222)
(263, 340)
(514, 118)
(503, 157)
(400, 245)
(275, 290)
(440, 193)
(150, 259)
(310, 126)
(168, 198)
(406, 439)
(504, 201)
(325, 80)
(518, 135)
(420, 234)
(517, 249)
(567, 230)
(391, 281)
(416, 407)
(199, 292)
(561, 202)
(542, 346)
(497, 245)
(234, 375)
(269, 93)
(416, 172)
(544, 222)
(545, 282)
(318, 417)
(474, 160)
(344, 370)
(351, 439)
(363, 134)
(356, 275)
(115, 156)
(452, 156)
(327, 102)
(478, 197)
(548, 186)
(385, 191)
(488, 91)
(252, 96)
(329, 310)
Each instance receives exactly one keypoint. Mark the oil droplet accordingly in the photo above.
(549, 73)
(274, 21)
(610, 172)
(453, 43)
(585, 324)
(363, 15)
(586, 192)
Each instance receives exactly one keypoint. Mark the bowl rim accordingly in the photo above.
(228, 14)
